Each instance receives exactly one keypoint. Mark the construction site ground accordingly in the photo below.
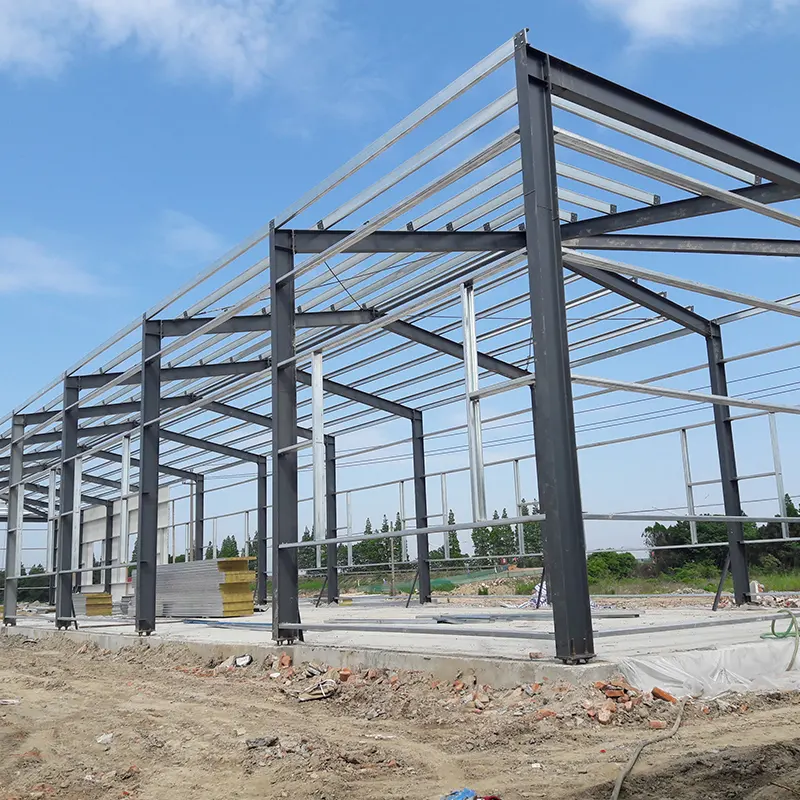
(167, 722)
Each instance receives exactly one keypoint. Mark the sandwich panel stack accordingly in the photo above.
(214, 588)
(96, 604)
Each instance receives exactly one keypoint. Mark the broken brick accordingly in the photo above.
(614, 693)
(344, 674)
(543, 713)
(285, 661)
(657, 724)
(660, 694)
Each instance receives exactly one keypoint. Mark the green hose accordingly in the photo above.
(792, 630)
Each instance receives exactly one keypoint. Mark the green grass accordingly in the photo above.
(774, 582)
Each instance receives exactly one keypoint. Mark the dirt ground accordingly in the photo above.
(183, 728)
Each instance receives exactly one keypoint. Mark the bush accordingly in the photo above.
(770, 563)
(525, 587)
(608, 565)
(696, 574)
(483, 591)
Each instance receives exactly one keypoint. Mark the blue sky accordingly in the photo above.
(140, 140)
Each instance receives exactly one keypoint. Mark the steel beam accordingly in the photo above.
(148, 480)
(107, 410)
(16, 519)
(554, 428)
(420, 508)
(199, 517)
(615, 101)
(318, 241)
(641, 295)
(727, 466)
(249, 416)
(669, 212)
(191, 372)
(358, 396)
(183, 474)
(451, 348)
(250, 323)
(83, 433)
(723, 245)
(212, 447)
(285, 606)
(69, 474)
(332, 556)
(261, 532)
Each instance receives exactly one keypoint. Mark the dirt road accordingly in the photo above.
(181, 729)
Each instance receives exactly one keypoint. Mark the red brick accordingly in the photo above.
(660, 694)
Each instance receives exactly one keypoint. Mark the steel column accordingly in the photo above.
(199, 517)
(332, 560)
(285, 608)
(69, 452)
(554, 427)
(16, 510)
(420, 507)
(727, 466)
(261, 533)
(148, 479)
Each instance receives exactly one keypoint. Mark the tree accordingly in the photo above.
(306, 557)
(229, 548)
(531, 532)
(610, 565)
(480, 544)
(209, 551)
(452, 537)
(502, 539)
(33, 589)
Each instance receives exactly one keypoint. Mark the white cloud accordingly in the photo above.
(692, 21)
(184, 237)
(240, 42)
(27, 266)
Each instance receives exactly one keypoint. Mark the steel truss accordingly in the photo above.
(500, 224)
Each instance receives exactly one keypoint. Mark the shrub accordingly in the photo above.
(607, 564)
(770, 563)
(525, 587)
(483, 591)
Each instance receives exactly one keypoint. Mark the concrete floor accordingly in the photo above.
(446, 650)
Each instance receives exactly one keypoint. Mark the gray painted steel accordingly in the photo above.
(148, 480)
(554, 428)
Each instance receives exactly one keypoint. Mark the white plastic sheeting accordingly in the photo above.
(760, 666)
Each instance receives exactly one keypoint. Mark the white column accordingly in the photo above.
(687, 478)
(776, 460)
(474, 433)
(318, 452)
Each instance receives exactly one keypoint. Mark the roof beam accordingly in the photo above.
(451, 348)
(250, 416)
(720, 245)
(767, 193)
(107, 410)
(645, 297)
(356, 395)
(584, 88)
(177, 373)
(408, 241)
(213, 447)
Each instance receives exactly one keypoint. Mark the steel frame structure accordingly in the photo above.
(318, 281)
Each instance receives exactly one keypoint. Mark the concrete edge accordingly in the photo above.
(502, 673)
